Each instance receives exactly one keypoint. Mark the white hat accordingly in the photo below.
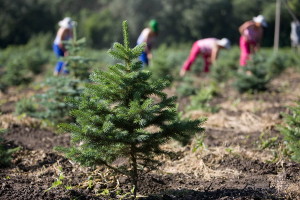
(260, 19)
(67, 22)
(224, 42)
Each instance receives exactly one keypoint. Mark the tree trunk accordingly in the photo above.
(134, 173)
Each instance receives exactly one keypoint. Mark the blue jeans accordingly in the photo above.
(143, 57)
(59, 67)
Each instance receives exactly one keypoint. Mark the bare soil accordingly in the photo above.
(230, 162)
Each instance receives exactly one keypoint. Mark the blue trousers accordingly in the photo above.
(143, 57)
(59, 67)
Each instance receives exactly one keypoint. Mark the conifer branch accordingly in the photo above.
(125, 34)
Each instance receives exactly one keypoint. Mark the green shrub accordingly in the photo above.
(41, 41)
(291, 132)
(51, 103)
(203, 97)
(14, 74)
(226, 65)
(34, 59)
(20, 64)
(260, 70)
(295, 60)
(115, 114)
(27, 106)
(289, 57)
(167, 61)
(186, 87)
(254, 76)
(78, 65)
(5, 153)
(276, 64)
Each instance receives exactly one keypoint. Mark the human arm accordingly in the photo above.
(214, 53)
(244, 27)
(64, 34)
(182, 72)
(60, 35)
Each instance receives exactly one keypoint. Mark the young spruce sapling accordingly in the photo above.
(117, 117)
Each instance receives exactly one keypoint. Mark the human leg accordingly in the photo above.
(60, 64)
(143, 57)
(192, 57)
(245, 51)
(207, 62)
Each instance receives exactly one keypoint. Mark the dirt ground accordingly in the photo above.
(235, 158)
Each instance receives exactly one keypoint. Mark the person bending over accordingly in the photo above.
(251, 35)
(209, 49)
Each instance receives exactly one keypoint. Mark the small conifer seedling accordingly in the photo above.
(51, 105)
(5, 153)
(118, 119)
(291, 132)
(253, 77)
(77, 64)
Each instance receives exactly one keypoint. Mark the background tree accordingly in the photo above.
(180, 21)
(98, 28)
(22, 19)
(117, 118)
(295, 7)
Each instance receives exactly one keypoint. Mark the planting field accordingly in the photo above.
(239, 156)
(150, 100)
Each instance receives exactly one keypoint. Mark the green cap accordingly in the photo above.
(153, 25)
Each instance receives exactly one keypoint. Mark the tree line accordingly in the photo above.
(179, 21)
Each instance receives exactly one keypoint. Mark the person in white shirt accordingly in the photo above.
(64, 33)
(295, 35)
(147, 36)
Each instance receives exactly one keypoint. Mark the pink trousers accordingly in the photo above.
(245, 47)
(195, 51)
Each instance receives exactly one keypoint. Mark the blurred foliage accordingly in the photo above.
(291, 132)
(21, 63)
(203, 97)
(52, 104)
(226, 65)
(97, 28)
(295, 7)
(179, 21)
(263, 67)
(167, 61)
(5, 152)
(26, 106)
(186, 87)
(254, 76)
(78, 66)
(276, 63)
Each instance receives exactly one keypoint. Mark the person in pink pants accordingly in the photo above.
(209, 49)
(251, 35)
